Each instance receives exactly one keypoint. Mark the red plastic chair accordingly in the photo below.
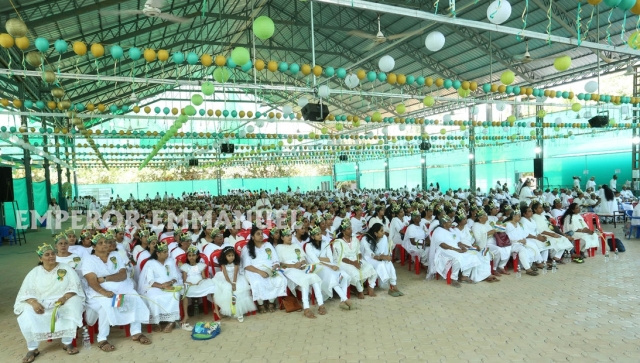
(239, 246)
(448, 276)
(214, 256)
(180, 259)
(589, 218)
(244, 233)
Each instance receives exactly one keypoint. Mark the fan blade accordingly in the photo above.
(361, 34)
(407, 34)
(518, 57)
(173, 18)
(120, 12)
(371, 46)
(157, 3)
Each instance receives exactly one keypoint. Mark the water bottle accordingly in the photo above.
(567, 257)
(86, 341)
(606, 257)
(519, 272)
(554, 267)
(615, 254)
(196, 307)
(544, 269)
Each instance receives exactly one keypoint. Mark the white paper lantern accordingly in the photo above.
(302, 101)
(591, 87)
(352, 81)
(323, 91)
(499, 11)
(286, 110)
(500, 106)
(386, 63)
(402, 127)
(434, 41)
(250, 129)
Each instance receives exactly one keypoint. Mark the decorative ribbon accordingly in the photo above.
(524, 21)
(9, 65)
(115, 69)
(624, 24)
(204, 8)
(549, 25)
(97, 69)
(54, 317)
(436, 6)
(589, 23)
(609, 27)
(578, 23)
(452, 8)
(77, 70)
(496, 10)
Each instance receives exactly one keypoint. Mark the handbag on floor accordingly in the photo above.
(502, 240)
(205, 330)
(619, 245)
(291, 304)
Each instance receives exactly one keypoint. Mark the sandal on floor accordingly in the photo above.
(31, 356)
(531, 273)
(105, 346)
(261, 309)
(504, 272)
(578, 260)
(240, 318)
(70, 349)
(272, 307)
(309, 314)
(344, 306)
(142, 339)
(168, 328)
(322, 310)
(400, 293)
(393, 293)
(456, 284)
(186, 326)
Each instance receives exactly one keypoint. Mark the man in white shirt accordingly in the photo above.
(591, 183)
(613, 183)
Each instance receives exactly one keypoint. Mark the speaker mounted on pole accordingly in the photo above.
(538, 169)
(314, 112)
(6, 184)
(227, 148)
(599, 121)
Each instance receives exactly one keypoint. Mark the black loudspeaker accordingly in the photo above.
(227, 148)
(312, 112)
(193, 162)
(425, 145)
(343, 157)
(6, 184)
(599, 121)
(537, 168)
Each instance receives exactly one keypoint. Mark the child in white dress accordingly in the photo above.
(233, 293)
(196, 282)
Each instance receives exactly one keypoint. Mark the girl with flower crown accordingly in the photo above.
(346, 252)
(141, 252)
(233, 293)
(293, 261)
(195, 280)
(49, 289)
(160, 282)
(376, 250)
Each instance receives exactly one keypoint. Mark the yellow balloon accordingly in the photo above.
(206, 60)
(149, 55)
(101, 107)
(306, 69)
(594, 2)
(465, 85)
(97, 50)
(272, 66)
(163, 55)
(259, 64)
(6, 40)
(439, 82)
(174, 111)
(23, 43)
(136, 109)
(79, 48)
(361, 74)
(428, 82)
(401, 79)
(634, 40)
(147, 109)
(317, 71)
(391, 78)
(221, 60)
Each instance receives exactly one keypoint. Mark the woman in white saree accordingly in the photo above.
(576, 227)
(559, 243)
(159, 282)
(483, 234)
(376, 251)
(526, 248)
(462, 233)
(346, 252)
(111, 296)
(449, 254)
(51, 288)
(531, 229)
(415, 239)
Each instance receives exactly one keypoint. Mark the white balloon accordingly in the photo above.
(558, 120)
(386, 63)
(624, 109)
(385, 130)
(286, 109)
(434, 41)
(303, 101)
(499, 11)
(402, 127)
(500, 106)
(242, 134)
(475, 110)
(351, 81)
(260, 123)
(250, 129)
(324, 91)
(446, 117)
(591, 86)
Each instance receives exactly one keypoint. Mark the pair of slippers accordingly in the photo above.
(396, 293)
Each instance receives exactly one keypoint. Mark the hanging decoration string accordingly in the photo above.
(436, 6)
(9, 65)
(97, 70)
(452, 8)
(496, 10)
(115, 72)
(77, 70)
(586, 31)
(609, 27)
(549, 24)
(578, 23)
(204, 8)
(519, 36)
(624, 25)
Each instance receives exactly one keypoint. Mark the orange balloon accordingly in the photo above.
(97, 50)
(149, 55)
(259, 64)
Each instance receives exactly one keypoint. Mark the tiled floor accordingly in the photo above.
(583, 313)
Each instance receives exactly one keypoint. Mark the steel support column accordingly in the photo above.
(635, 147)
(386, 173)
(358, 175)
(423, 169)
(62, 200)
(45, 166)
(26, 161)
(540, 145)
(472, 157)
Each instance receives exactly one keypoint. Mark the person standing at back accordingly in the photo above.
(591, 183)
(613, 183)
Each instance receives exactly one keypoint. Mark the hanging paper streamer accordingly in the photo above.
(204, 8)
(549, 25)
(452, 7)
(586, 31)
(9, 65)
(624, 25)
(519, 37)
(609, 27)
(578, 23)
(436, 5)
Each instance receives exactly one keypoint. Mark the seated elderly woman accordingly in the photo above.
(159, 282)
(483, 233)
(49, 290)
(346, 252)
(575, 226)
(107, 278)
(415, 240)
(526, 248)
(558, 241)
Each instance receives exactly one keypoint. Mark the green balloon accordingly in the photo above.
(263, 28)
(240, 55)
(208, 88)
(197, 99)
(221, 74)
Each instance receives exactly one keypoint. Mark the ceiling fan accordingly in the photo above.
(151, 9)
(527, 58)
(380, 38)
